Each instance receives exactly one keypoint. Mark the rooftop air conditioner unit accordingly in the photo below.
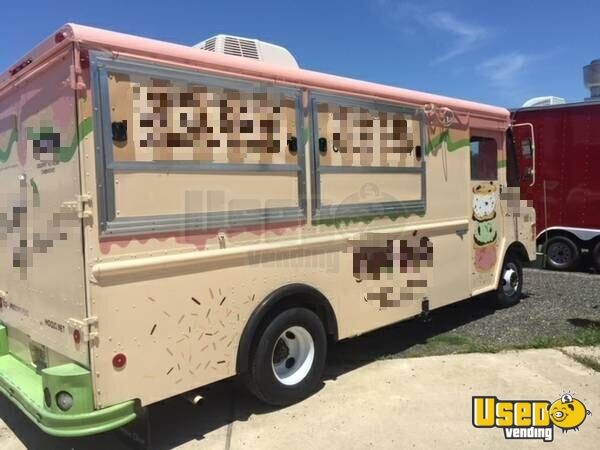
(249, 48)
(548, 100)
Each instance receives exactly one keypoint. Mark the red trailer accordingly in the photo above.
(562, 177)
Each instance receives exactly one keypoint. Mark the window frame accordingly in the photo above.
(101, 64)
(321, 211)
(479, 138)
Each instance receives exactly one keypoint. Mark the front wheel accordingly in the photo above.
(288, 360)
(511, 283)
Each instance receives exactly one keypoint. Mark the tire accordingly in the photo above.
(510, 286)
(561, 253)
(596, 256)
(288, 359)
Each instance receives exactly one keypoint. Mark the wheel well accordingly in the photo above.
(518, 250)
(292, 295)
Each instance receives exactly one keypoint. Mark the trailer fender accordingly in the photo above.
(581, 234)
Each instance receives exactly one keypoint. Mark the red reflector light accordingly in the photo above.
(60, 36)
(119, 361)
(19, 67)
(77, 336)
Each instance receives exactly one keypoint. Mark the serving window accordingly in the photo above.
(368, 158)
(175, 120)
(182, 150)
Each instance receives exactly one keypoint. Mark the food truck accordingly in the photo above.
(171, 216)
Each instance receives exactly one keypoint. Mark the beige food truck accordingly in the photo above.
(171, 216)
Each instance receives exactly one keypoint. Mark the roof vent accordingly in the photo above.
(548, 100)
(591, 79)
(209, 44)
(249, 48)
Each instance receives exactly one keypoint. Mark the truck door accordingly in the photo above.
(486, 220)
(41, 254)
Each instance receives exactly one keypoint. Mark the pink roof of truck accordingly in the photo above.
(181, 55)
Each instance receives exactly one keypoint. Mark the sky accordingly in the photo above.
(497, 52)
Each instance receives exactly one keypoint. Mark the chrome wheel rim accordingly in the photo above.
(510, 280)
(293, 355)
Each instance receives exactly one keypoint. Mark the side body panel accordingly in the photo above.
(41, 258)
(175, 302)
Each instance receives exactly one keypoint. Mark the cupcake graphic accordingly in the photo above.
(485, 232)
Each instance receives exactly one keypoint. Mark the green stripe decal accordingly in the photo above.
(346, 221)
(36, 193)
(33, 184)
(305, 134)
(436, 142)
(65, 154)
(5, 154)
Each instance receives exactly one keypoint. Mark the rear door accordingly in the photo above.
(41, 262)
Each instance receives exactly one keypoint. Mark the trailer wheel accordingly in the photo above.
(561, 253)
(596, 256)
(510, 286)
(287, 363)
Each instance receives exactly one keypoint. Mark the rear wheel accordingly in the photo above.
(561, 253)
(511, 282)
(288, 360)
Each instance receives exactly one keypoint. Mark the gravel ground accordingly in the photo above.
(557, 309)
(554, 305)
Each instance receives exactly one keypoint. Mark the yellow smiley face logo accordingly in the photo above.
(568, 413)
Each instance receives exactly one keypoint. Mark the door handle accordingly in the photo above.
(292, 143)
(322, 145)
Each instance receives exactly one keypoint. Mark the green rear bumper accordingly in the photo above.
(25, 387)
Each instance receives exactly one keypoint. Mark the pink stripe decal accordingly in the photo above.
(199, 239)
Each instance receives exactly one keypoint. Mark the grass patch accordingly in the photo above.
(452, 343)
(589, 335)
(586, 334)
(462, 343)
